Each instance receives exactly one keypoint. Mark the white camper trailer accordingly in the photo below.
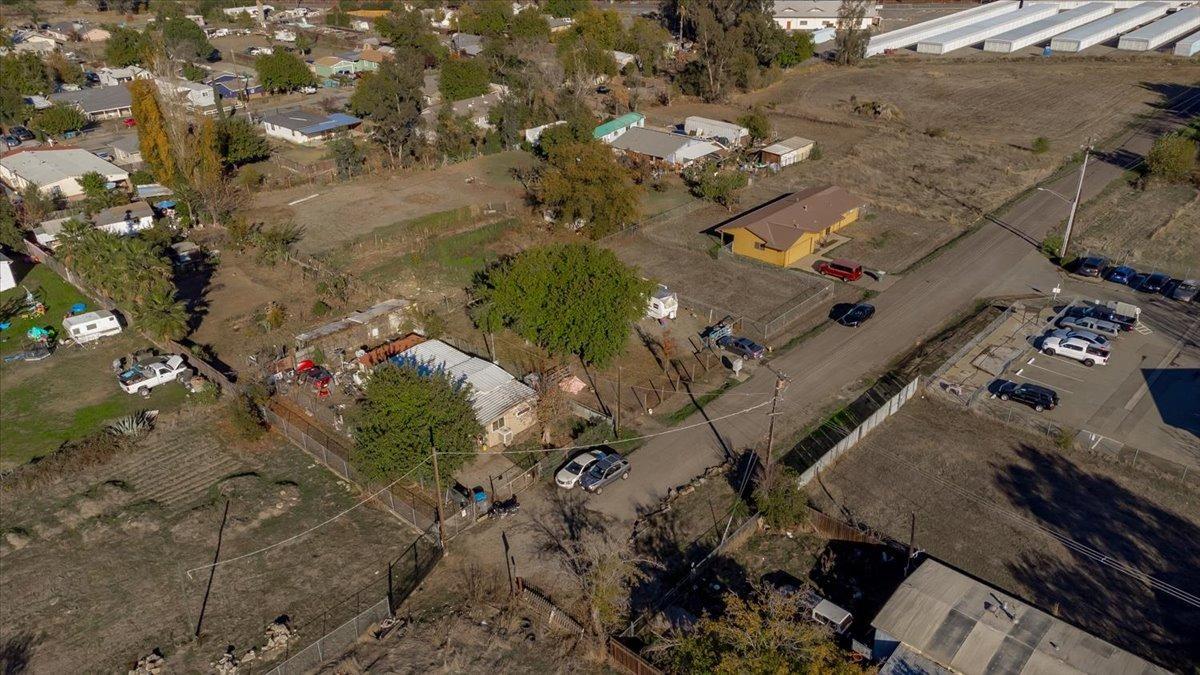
(84, 328)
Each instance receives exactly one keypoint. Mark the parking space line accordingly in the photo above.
(1048, 370)
(1044, 384)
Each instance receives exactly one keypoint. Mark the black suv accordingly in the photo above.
(1090, 266)
(1038, 398)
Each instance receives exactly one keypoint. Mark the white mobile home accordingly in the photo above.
(91, 326)
(725, 132)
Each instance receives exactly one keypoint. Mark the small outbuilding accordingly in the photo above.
(725, 132)
(788, 151)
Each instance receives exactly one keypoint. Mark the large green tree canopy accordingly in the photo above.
(568, 298)
(583, 181)
(406, 414)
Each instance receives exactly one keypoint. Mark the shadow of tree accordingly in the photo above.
(15, 652)
(1129, 530)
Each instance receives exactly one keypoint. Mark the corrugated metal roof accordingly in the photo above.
(972, 628)
(46, 166)
(788, 145)
(663, 144)
(378, 310)
(493, 390)
(619, 123)
(334, 121)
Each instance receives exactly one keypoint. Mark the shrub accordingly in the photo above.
(1041, 144)
(1172, 158)
(319, 308)
(815, 154)
(1051, 244)
(246, 418)
(783, 505)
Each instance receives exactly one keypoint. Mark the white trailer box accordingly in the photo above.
(981, 30)
(1079, 39)
(1188, 46)
(84, 328)
(1162, 31)
(911, 35)
(1041, 31)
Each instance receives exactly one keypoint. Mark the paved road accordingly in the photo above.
(831, 366)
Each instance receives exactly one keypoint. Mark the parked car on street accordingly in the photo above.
(1090, 266)
(1150, 283)
(148, 374)
(1121, 274)
(21, 133)
(1087, 323)
(12, 141)
(605, 471)
(568, 476)
(1074, 348)
(840, 268)
(743, 347)
(1183, 290)
(1085, 335)
(1037, 397)
(857, 315)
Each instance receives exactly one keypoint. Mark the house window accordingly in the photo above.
(522, 411)
(498, 424)
(759, 246)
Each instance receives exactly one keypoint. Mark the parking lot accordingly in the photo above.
(1144, 398)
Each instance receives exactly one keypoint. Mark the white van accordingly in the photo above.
(90, 326)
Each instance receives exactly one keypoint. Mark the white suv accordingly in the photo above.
(1074, 348)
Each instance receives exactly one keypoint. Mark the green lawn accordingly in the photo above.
(69, 395)
(49, 289)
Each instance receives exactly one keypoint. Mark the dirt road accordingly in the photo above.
(831, 365)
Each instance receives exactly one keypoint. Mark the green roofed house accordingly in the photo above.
(612, 129)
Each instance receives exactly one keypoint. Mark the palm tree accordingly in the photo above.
(162, 315)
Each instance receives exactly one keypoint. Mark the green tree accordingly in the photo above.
(25, 73)
(304, 43)
(161, 314)
(64, 70)
(485, 17)
(12, 105)
(96, 193)
(586, 50)
(391, 100)
(126, 47)
(346, 155)
(647, 40)
(757, 123)
(568, 298)
(11, 234)
(797, 48)
(850, 41)
(735, 41)
(58, 119)
(529, 27)
(185, 40)
(281, 71)
(566, 8)
(411, 29)
(194, 73)
(583, 181)
(760, 634)
(463, 78)
(1172, 158)
(241, 142)
(404, 416)
(711, 183)
(457, 136)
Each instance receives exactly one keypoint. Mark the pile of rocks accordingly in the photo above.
(227, 665)
(150, 664)
(278, 635)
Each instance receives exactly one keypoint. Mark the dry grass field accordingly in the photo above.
(93, 567)
(984, 497)
(1156, 229)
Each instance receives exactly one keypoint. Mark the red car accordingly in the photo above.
(840, 268)
(129, 122)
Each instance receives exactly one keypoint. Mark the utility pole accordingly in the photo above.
(437, 485)
(770, 472)
(1087, 152)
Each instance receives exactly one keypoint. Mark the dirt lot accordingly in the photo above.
(1156, 229)
(94, 567)
(984, 498)
(383, 200)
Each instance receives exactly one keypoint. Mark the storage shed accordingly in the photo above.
(1044, 29)
(1109, 27)
(788, 151)
(1162, 31)
(979, 31)
(911, 35)
(725, 132)
(1188, 46)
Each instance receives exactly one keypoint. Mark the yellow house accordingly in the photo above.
(790, 227)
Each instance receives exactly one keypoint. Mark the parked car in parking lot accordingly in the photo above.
(857, 315)
(1120, 274)
(1149, 283)
(1085, 335)
(1090, 266)
(1183, 290)
(1037, 397)
(744, 347)
(1087, 323)
(568, 477)
(1074, 348)
(1123, 321)
(605, 471)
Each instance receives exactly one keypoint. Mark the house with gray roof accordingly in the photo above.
(55, 169)
(677, 150)
(99, 103)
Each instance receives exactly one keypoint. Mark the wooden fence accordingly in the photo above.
(626, 660)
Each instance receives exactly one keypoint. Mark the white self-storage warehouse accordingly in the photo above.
(1044, 29)
(1162, 31)
(1188, 46)
(1109, 27)
(981, 30)
(911, 35)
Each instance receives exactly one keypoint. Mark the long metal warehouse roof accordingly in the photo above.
(1188, 46)
(981, 30)
(1040, 31)
(1109, 27)
(1162, 31)
(911, 35)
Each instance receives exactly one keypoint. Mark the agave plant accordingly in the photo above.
(134, 424)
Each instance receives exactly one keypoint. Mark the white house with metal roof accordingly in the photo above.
(304, 127)
(677, 150)
(56, 169)
(812, 15)
(503, 404)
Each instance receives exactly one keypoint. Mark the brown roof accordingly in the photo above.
(782, 222)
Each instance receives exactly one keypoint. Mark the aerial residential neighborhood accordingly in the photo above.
(549, 336)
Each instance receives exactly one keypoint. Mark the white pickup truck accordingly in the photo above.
(146, 375)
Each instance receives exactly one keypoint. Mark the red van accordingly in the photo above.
(846, 270)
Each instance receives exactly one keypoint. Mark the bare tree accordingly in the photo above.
(851, 38)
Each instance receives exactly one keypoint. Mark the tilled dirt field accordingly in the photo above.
(94, 569)
(986, 497)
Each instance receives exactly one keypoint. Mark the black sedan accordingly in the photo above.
(1150, 283)
(1091, 266)
(857, 315)
(1032, 395)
